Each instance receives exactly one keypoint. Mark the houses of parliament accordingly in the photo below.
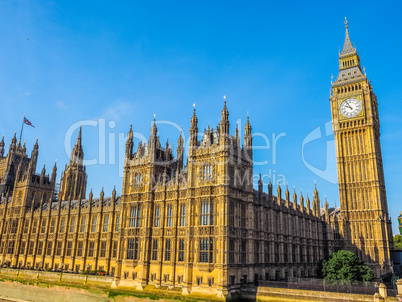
(201, 226)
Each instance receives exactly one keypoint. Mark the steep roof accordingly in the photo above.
(347, 45)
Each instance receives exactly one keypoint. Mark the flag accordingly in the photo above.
(28, 122)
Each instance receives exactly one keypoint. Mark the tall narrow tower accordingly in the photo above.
(74, 178)
(365, 222)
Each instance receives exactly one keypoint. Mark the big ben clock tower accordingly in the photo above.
(364, 220)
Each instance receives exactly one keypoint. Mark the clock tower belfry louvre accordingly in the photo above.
(364, 219)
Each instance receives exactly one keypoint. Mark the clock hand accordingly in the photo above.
(347, 103)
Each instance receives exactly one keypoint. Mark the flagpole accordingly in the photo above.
(22, 127)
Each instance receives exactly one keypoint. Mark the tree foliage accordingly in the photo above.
(346, 266)
(398, 242)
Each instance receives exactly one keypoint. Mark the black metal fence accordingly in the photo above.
(351, 287)
(392, 292)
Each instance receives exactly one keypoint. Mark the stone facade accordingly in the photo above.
(40, 229)
(200, 226)
(364, 220)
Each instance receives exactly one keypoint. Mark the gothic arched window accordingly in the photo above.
(207, 171)
(138, 179)
(207, 213)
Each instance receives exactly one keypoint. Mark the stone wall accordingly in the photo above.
(267, 293)
(52, 277)
(50, 286)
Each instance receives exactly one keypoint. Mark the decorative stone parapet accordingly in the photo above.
(399, 286)
(382, 290)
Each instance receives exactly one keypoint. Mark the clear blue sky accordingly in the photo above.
(63, 62)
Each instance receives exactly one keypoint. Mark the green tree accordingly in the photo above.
(398, 242)
(346, 266)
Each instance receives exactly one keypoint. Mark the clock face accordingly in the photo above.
(350, 107)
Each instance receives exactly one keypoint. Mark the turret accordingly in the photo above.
(54, 173)
(326, 209)
(139, 150)
(308, 210)
(114, 194)
(260, 187)
(34, 156)
(294, 199)
(74, 179)
(193, 133)
(77, 156)
(102, 194)
(2, 147)
(12, 147)
(316, 202)
(167, 150)
(42, 174)
(237, 137)
(224, 130)
(19, 145)
(114, 198)
(208, 136)
(301, 202)
(180, 152)
(154, 132)
(91, 195)
(153, 141)
(248, 140)
(287, 199)
(279, 195)
(129, 143)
